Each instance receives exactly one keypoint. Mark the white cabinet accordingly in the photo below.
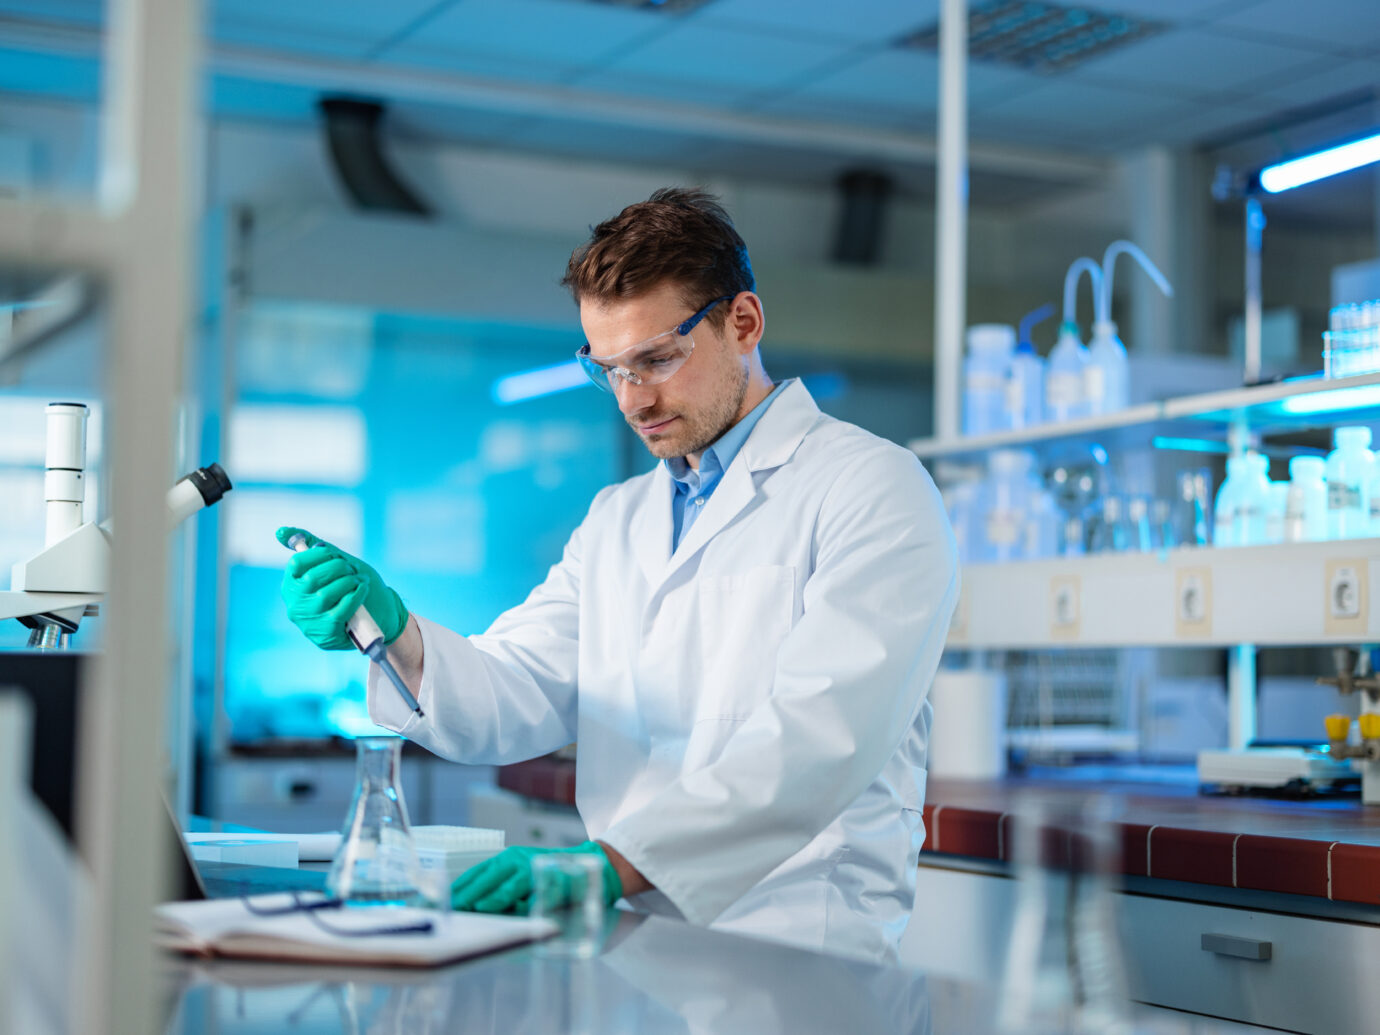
(1314, 979)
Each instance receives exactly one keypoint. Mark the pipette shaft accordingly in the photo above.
(365, 634)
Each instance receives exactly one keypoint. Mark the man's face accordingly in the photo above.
(702, 400)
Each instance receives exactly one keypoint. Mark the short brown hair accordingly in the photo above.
(679, 235)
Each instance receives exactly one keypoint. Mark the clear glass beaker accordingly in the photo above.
(1064, 971)
(376, 864)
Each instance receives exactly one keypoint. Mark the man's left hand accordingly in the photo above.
(503, 884)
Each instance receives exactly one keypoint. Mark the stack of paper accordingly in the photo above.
(237, 928)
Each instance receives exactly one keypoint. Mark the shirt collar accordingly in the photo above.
(717, 457)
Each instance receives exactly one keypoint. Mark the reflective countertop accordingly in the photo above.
(652, 976)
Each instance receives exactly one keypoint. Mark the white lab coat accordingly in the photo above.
(751, 709)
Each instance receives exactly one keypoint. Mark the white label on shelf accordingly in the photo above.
(1348, 608)
(1193, 603)
(1065, 618)
(1344, 597)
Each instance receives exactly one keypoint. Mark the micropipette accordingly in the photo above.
(365, 634)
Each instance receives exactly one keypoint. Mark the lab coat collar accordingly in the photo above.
(772, 443)
(781, 429)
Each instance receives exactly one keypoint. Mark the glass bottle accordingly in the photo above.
(1192, 508)
(376, 864)
(1006, 506)
(1348, 477)
(1305, 515)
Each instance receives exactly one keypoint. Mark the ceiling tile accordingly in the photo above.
(367, 18)
(552, 33)
(1327, 79)
(860, 21)
(1186, 124)
(482, 66)
(1348, 26)
(869, 114)
(1193, 60)
(691, 58)
(1177, 11)
(1067, 113)
(297, 39)
(893, 89)
(350, 29)
(906, 80)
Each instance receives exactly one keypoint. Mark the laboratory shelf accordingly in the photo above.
(1292, 594)
(1266, 409)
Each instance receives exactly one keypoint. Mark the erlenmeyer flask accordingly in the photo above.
(377, 864)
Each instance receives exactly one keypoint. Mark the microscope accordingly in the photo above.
(54, 590)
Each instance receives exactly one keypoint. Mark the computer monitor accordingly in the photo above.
(52, 681)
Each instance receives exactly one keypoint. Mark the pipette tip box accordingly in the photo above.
(446, 852)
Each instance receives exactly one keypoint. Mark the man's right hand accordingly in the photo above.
(323, 586)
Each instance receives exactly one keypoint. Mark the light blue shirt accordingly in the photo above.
(694, 487)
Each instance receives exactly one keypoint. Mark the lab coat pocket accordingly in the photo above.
(743, 620)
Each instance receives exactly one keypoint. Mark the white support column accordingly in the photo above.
(146, 188)
(1241, 696)
(951, 222)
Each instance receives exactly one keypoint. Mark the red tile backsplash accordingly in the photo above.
(1199, 856)
(1285, 864)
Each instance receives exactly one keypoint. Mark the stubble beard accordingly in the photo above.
(698, 431)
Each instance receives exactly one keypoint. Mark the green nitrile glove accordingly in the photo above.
(322, 587)
(503, 884)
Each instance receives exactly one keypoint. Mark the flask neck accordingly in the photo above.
(377, 761)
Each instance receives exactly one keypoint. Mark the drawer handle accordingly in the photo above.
(1240, 948)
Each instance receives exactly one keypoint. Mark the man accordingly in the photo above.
(741, 641)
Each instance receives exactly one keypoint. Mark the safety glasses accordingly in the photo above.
(648, 362)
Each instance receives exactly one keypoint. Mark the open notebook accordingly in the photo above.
(295, 927)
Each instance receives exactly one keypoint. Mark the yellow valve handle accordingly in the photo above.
(1338, 726)
(1370, 727)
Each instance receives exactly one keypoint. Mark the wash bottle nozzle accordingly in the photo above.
(1094, 272)
(1104, 292)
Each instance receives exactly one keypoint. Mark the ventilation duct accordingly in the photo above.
(352, 135)
(863, 195)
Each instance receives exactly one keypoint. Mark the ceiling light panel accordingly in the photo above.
(1041, 37)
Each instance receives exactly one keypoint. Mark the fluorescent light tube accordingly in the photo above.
(533, 384)
(1189, 445)
(1298, 171)
(1336, 400)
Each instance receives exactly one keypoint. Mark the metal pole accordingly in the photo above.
(951, 215)
(1241, 696)
(146, 187)
(1255, 232)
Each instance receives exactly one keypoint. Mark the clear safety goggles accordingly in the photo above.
(648, 362)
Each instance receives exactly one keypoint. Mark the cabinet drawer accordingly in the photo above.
(1288, 972)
